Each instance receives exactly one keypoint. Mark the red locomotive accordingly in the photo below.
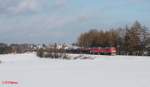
(104, 51)
(93, 50)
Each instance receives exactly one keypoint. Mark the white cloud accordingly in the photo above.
(61, 2)
(24, 6)
(12, 7)
(27, 5)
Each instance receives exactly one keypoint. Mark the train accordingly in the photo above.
(94, 50)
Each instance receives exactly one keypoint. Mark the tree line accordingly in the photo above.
(133, 40)
(16, 48)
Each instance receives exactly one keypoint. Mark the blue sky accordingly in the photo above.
(44, 21)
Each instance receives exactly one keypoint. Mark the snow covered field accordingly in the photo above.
(98, 71)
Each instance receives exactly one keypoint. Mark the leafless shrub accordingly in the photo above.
(52, 53)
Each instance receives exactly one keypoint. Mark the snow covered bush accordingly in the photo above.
(52, 53)
(40, 52)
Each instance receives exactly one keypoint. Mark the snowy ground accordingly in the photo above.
(98, 71)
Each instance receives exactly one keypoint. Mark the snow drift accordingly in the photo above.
(98, 71)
